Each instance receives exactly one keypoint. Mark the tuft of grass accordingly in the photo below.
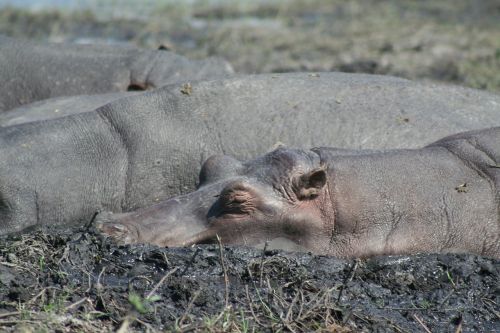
(295, 310)
(141, 304)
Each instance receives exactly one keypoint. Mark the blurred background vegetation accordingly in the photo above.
(454, 41)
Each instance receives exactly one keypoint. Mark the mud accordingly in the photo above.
(76, 280)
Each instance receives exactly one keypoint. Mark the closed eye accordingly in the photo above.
(236, 202)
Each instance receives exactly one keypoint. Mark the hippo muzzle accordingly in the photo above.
(180, 221)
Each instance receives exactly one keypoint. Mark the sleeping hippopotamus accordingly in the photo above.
(346, 203)
(58, 107)
(141, 149)
(35, 71)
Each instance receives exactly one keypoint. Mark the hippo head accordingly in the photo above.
(281, 195)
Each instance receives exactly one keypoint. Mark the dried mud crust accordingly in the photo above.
(77, 280)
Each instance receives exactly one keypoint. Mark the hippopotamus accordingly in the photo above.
(58, 107)
(148, 147)
(346, 203)
(33, 71)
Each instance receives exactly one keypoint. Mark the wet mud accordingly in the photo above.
(77, 280)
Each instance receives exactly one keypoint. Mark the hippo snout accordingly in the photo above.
(179, 221)
(110, 225)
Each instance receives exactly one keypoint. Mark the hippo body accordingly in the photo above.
(440, 198)
(58, 107)
(140, 149)
(36, 71)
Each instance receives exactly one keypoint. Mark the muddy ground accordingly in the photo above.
(70, 280)
(75, 280)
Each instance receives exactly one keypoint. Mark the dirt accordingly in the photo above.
(69, 280)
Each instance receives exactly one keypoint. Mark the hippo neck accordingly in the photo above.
(404, 200)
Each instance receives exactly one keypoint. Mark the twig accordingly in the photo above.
(262, 262)
(77, 303)
(301, 304)
(251, 306)
(89, 281)
(15, 322)
(290, 308)
(165, 258)
(124, 326)
(346, 318)
(36, 296)
(98, 284)
(360, 317)
(353, 272)
(404, 309)
(326, 305)
(226, 279)
(421, 323)
(8, 314)
(64, 255)
(191, 261)
(348, 279)
(488, 306)
(8, 264)
(172, 271)
(459, 326)
(143, 323)
(190, 305)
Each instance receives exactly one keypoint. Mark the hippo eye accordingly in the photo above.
(235, 202)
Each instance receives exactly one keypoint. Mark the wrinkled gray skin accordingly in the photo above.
(58, 107)
(145, 148)
(338, 202)
(34, 71)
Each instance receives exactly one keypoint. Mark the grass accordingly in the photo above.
(299, 312)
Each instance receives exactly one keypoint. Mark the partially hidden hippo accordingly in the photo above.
(347, 203)
(33, 71)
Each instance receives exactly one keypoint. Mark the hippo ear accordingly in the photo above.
(218, 167)
(309, 185)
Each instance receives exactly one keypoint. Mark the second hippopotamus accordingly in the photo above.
(346, 203)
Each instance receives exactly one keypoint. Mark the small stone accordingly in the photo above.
(462, 188)
(6, 276)
(187, 89)
(11, 257)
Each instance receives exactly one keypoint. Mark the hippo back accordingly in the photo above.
(33, 71)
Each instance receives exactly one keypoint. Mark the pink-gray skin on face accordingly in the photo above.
(441, 198)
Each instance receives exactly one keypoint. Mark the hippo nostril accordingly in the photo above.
(109, 225)
(212, 240)
(136, 87)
